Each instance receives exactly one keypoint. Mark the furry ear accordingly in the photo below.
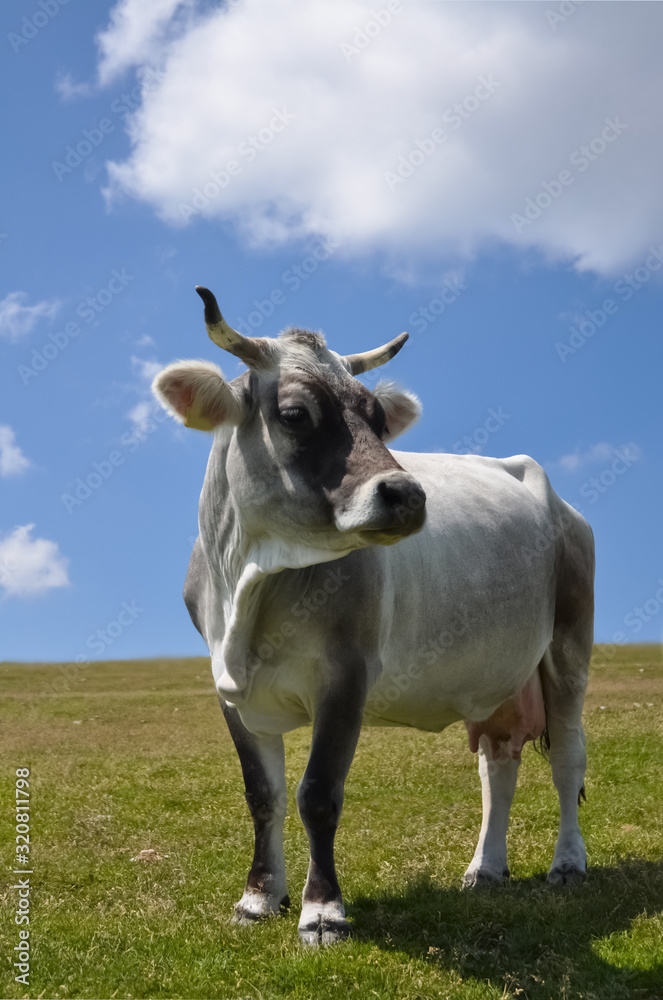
(402, 408)
(197, 395)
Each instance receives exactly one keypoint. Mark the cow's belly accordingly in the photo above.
(426, 679)
(498, 697)
(477, 681)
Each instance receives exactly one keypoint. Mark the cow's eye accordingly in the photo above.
(293, 416)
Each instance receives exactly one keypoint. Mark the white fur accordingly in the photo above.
(402, 408)
(498, 785)
(229, 651)
(322, 923)
(366, 507)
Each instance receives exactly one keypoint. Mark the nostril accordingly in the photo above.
(408, 495)
(392, 495)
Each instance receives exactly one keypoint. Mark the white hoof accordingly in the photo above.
(322, 924)
(258, 906)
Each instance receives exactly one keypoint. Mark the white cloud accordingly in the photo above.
(145, 341)
(69, 89)
(30, 566)
(12, 460)
(136, 30)
(228, 68)
(141, 413)
(595, 455)
(145, 369)
(17, 319)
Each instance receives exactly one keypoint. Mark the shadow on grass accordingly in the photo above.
(532, 938)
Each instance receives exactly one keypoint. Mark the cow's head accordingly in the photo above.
(307, 459)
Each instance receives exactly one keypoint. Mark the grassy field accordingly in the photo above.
(135, 755)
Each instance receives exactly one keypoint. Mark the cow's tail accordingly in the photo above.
(542, 745)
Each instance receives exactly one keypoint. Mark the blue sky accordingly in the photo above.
(484, 176)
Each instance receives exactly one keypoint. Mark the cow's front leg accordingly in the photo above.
(320, 799)
(263, 767)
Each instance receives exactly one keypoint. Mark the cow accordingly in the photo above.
(338, 582)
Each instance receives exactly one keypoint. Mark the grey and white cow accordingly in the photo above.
(337, 582)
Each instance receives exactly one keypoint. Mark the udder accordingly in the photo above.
(514, 723)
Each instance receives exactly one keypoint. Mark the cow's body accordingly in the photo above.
(482, 614)
(451, 622)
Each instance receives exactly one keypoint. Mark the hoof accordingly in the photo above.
(253, 908)
(323, 923)
(566, 875)
(484, 880)
(243, 917)
(324, 933)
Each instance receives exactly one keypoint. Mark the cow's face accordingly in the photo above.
(307, 459)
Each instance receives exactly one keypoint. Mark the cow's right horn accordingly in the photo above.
(358, 363)
(247, 349)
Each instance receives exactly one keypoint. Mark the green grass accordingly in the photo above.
(135, 755)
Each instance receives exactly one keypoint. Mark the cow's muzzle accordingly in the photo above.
(386, 508)
(404, 504)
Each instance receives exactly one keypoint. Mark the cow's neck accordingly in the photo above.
(240, 566)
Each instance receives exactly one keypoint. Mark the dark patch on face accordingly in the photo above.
(339, 446)
(323, 442)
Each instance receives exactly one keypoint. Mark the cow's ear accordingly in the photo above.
(401, 408)
(197, 395)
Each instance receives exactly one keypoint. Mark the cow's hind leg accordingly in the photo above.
(320, 799)
(263, 767)
(498, 785)
(564, 678)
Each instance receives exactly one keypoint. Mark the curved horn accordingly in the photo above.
(247, 349)
(359, 363)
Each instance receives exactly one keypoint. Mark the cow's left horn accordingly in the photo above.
(247, 349)
(358, 363)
